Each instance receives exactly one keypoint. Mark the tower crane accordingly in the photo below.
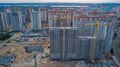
(95, 34)
(94, 42)
(95, 30)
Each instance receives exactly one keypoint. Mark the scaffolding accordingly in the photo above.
(89, 40)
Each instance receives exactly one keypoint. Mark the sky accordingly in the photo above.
(39, 1)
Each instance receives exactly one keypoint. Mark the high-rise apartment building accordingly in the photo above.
(36, 20)
(3, 25)
(88, 38)
(16, 21)
(66, 44)
(63, 43)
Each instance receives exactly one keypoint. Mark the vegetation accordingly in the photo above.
(25, 25)
(8, 41)
(112, 51)
(25, 47)
(4, 36)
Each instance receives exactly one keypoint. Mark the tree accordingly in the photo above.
(112, 51)
(4, 36)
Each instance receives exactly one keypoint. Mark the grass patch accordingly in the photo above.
(8, 41)
(25, 47)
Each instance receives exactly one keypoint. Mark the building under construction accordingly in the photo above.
(66, 44)
(79, 34)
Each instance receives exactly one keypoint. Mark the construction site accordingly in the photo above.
(80, 34)
(67, 37)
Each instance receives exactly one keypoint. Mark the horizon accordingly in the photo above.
(59, 1)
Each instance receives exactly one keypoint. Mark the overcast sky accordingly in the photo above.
(82, 1)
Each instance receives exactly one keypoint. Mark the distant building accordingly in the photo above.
(36, 20)
(24, 16)
(44, 15)
(16, 21)
(60, 19)
(8, 17)
(117, 10)
(28, 14)
(3, 25)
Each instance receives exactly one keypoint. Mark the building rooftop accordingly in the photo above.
(7, 60)
(34, 48)
(34, 35)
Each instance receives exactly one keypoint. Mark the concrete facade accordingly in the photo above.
(36, 20)
(3, 25)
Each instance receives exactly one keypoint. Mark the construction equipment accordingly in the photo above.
(94, 42)
(35, 60)
(34, 55)
(95, 34)
(83, 25)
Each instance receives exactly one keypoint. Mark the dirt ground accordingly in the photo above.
(17, 50)
(53, 64)
(22, 57)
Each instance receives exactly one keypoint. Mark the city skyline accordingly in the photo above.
(75, 1)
